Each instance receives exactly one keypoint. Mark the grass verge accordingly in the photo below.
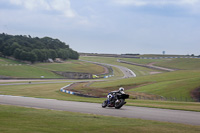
(22, 120)
(187, 106)
(178, 84)
(12, 68)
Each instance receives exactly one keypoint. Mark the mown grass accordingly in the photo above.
(175, 105)
(178, 89)
(169, 76)
(182, 63)
(12, 68)
(4, 61)
(23, 120)
(51, 91)
(178, 84)
(178, 63)
(171, 84)
(72, 66)
(143, 61)
(26, 71)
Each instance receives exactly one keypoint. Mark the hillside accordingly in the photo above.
(34, 49)
(16, 69)
(182, 85)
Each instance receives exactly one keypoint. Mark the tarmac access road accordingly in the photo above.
(165, 115)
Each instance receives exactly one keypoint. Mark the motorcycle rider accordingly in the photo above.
(112, 94)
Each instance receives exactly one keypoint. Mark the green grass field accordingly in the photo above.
(22, 120)
(183, 63)
(170, 84)
(178, 63)
(16, 69)
(143, 61)
(72, 65)
(4, 61)
(26, 71)
(176, 85)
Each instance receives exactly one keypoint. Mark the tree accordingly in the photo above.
(32, 57)
(6, 50)
(17, 53)
(23, 55)
(14, 46)
(53, 54)
(39, 54)
(73, 54)
(35, 49)
(63, 53)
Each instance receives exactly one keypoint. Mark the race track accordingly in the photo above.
(174, 116)
(127, 73)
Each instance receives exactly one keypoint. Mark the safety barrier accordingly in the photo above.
(168, 57)
(66, 91)
(63, 89)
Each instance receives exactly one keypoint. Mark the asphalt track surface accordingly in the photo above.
(174, 116)
(127, 72)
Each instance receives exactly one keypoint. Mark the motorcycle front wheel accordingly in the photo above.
(104, 104)
(119, 103)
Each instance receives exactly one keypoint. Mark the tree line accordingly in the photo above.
(34, 49)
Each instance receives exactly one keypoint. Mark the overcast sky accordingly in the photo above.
(108, 26)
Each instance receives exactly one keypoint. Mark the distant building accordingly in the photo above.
(58, 60)
(50, 60)
(163, 52)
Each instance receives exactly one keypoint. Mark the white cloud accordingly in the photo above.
(190, 1)
(192, 6)
(131, 2)
(62, 6)
(156, 2)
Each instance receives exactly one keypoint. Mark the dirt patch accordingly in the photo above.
(83, 88)
(151, 64)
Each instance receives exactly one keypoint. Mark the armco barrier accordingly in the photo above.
(74, 93)
(168, 57)
(66, 91)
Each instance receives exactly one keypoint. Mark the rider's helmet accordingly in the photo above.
(121, 89)
(109, 95)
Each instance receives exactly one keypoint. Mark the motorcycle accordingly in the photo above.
(117, 101)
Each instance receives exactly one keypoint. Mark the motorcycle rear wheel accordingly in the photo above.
(119, 104)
